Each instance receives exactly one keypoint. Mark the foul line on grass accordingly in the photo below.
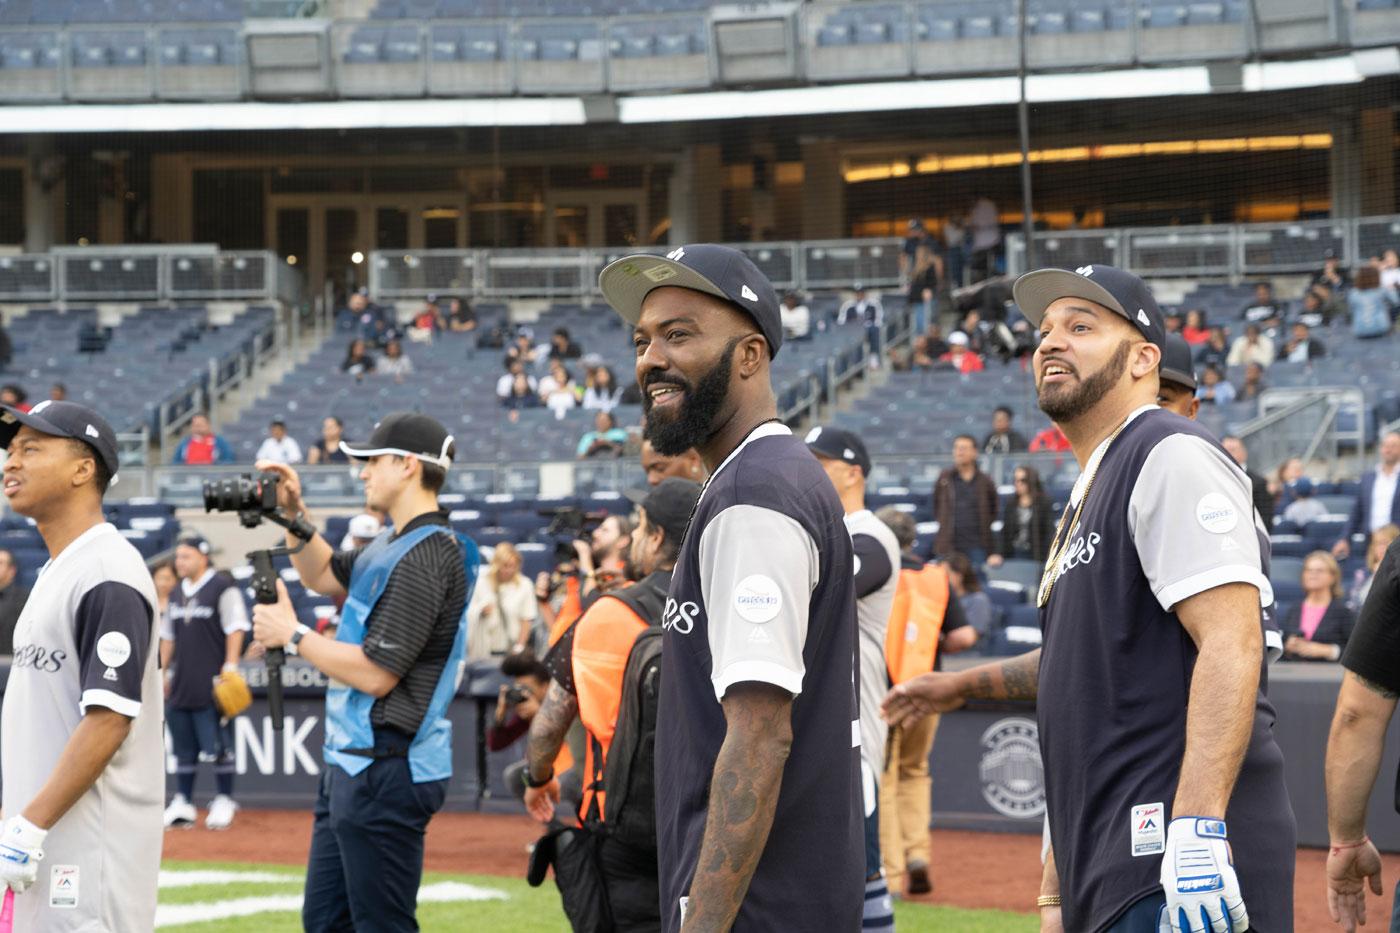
(169, 915)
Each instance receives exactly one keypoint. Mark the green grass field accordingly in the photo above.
(244, 898)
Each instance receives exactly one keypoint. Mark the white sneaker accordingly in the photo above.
(221, 811)
(180, 814)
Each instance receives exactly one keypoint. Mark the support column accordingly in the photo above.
(823, 191)
(706, 193)
(41, 178)
(1377, 158)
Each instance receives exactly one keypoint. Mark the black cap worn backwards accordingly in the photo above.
(1177, 366)
(64, 419)
(1115, 289)
(715, 270)
(839, 444)
(406, 434)
(668, 504)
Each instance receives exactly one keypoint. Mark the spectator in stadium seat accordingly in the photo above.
(522, 349)
(12, 600)
(1379, 501)
(1317, 629)
(1331, 274)
(522, 395)
(201, 446)
(395, 362)
(278, 446)
(976, 605)
(369, 319)
(937, 345)
(562, 346)
(1172, 322)
(796, 317)
(985, 225)
(1253, 384)
(1251, 347)
(605, 440)
(1304, 508)
(1390, 273)
(1027, 521)
(925, 281)
(1194, 330)
(1259, 487)
(502, 609)
(358, 362)
(1301, 346)
(916, 237)
(959, 357)
(1280, 484)
(977, 330)
(1051, 439)
(601, 391)
(1214, 390)
(14, 395)
(1003, 439)
(1263, 310)
(363, 528)
(965, 505)
(1372, 307)
(7, 349)
(1317, 309)
(867, 310)
(558, 392)
(326, 449)
(1215, 351)
(1381, 540)
(58, 392)
(461, 317)
(429, 319)
(514, 367)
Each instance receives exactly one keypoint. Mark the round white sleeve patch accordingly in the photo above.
(113, 649)
(1217, 514)
(757, 598)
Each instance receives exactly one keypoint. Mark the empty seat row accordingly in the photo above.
(121, 49)
(58, 12)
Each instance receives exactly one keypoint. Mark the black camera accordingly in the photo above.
(252, 497)
(517, 694)
(567, 525)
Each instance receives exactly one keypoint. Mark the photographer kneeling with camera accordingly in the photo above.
(395, 664)
(516, 707)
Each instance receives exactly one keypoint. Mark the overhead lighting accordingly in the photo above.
(357, 257)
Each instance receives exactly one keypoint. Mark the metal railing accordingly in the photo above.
(146, 273)
(1312, 423)
(574, 273)
(1228, 251)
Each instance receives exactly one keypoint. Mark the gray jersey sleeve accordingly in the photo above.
(233, 612)
(1191, 516)
(758, 568)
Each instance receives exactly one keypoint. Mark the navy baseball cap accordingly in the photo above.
(720, 271)
(64, 419)
(668, 504)
(196, 541)
(839, 444)
(406, 434)
(1177, 366)
(1120, 291)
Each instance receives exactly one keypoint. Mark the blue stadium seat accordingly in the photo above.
(977, 27)
(366, 45)
(1159, 17)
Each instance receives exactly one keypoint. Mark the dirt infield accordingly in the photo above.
(969, 869)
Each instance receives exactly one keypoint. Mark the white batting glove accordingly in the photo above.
(20, 853)
(1198, 876)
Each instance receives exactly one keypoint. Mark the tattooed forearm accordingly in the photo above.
(1021, 676)
(743, 799)
(548, 728)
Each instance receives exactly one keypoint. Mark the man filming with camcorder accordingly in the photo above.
(590, 554)
(394, 664)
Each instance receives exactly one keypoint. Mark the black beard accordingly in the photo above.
(693, 422)
(1065, 405)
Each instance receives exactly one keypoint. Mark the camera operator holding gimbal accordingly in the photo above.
(394, 663)
(589, 564)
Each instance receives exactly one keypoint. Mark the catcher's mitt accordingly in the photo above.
(231, 694)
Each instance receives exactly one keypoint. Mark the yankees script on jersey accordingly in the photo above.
(87, 638)
(763, 591)
(203, 613)
(1169, 516)
(876, 576)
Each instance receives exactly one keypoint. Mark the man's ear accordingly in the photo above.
(753, 354)
(1146, 359)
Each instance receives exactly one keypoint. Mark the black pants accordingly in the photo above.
(633, 890)
(367, 849)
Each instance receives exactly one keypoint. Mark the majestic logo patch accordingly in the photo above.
(63, 887)
(757, 599)
(1148, 833)
(1013, 777)
(1217, 514)
(113, 649)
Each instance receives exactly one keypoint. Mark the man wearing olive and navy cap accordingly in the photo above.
(1155, 732)
(81, 736)
(1177, 376)
(758, 790)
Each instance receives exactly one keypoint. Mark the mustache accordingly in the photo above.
(1055, 359)
(656, 378)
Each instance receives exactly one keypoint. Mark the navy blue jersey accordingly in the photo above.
(201, 616)
(764, 590)
(1169, 516)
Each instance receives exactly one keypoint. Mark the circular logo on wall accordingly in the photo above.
(1013, 779)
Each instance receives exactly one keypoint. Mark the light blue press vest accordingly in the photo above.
(348, 710)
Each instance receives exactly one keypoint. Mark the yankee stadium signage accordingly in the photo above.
(1013, 779)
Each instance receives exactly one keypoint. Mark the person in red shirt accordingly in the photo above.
(1195, 332)
(13, 395)
(1052, 439)
(202, 446)
(959, 356)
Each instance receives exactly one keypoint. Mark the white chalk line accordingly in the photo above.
(169, 915)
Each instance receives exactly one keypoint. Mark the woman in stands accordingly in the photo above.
(557, 390)
(358, 361)
(976, 604)
(1317, 629)
(1195, 332)
(327, 446)
(1028, 522)
(502, 612)
(1372, 307)
(1381, 539)
(396, 363)
(1281, 485)
(601, 392)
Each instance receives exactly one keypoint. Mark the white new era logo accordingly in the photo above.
(747, 292)
(676, 254)
(90, 431)
(1142, 318)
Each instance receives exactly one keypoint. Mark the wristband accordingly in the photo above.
(1048, 900)
(1349, 845)
(531, 783)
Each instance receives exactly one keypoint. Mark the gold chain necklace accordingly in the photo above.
(1050, 575)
